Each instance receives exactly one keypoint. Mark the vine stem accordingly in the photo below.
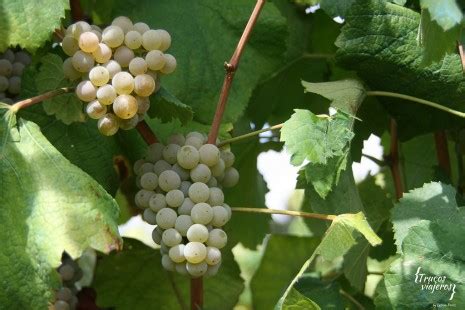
(231, 68)
(417, 100)
(45, 96)
(250, 134)
(442, 151)
(76, 10)
(286, 212)
(146, 133)
(394, 162)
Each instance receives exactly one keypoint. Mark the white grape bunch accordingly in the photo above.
(70, 273)
(181, 193)
(12, 65)
(118, 67)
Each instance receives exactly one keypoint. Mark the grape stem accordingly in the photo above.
(146, 132)
(231, 68)
(317, 216)
(76, 10)
(394, 162)
(45, 96)
(250, 134)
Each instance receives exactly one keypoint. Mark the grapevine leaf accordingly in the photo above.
(48, 206)
(431, 248)
(268, 285)
(435, 41)
(297, 301)
(29, 23)
(433, 202)
(137, 271)
(379, 41)
(167, 107)
(316, 138)
(336, 8)
(446, 13)
(204, 40)
(67, 107)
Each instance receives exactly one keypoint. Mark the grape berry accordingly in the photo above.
(181, 192)
(70, 273)
(12, 65)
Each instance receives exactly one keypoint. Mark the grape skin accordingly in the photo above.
(216, 197)
(166, 218)
(169, 180)
(144, 85)
(202, 213)
(197, 233)
(86, 91)
(125, 106)
(183, 223)
(174, 198)
(157, 235)
(123, 83)
(154, 152)
(196, 270)
(155, 60)
(123, 55)
(151, 40)
(170, 153)
(149, 216)
(201, 173)
(108, 125)
(95, 109)
(113, 36)
(113, 68)
(138, 65)
(186, 207)
(213, 256)
(171, 237)
(149, 181)
(195, 252)
(161, 166)
(188, 157)
(157, 202)
(217, 238)
(106, 94)
(99, 75)
(102, 53)
(88, 42)
(133, 39)
(199, 192)
(209, 154)
(176, 253)
(170, 64)
(167, 263)
(82, 61)
(69, 71)
(220, 216)
(69, 45)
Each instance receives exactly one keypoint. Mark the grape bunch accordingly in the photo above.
(181, 192)
(70, 273)
(120, 68)
(12, 65)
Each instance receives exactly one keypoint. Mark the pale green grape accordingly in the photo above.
(202, 213)
(217, 238)
(194, 141)
(113, 36)
(213, 256)
(3, 83)
(199, 192)
(108, 125)
(137, 166)
(186, 207)
(169, 180)
(183, 173)
(170, 64)
(170, 153)
(197, 270)
(61, 305)
(133, 39)
(201, 173)
(123, 55)
(231, 177)
(181, 269)
(157, 202)
(198, 233)
(88, 42)
(64, 293)
(166, 218)
(157, 235)
(154, 152)
(155, 60)
(161, 166)
(151, 40)
(78, 28)
(86, 91)
(137, 66)
(82, 61)
(188, 157)
(165, 39)
(69, 45)
(149, 216)
(177, 139)
(95, 109)
(167, 263)
(8, 55)
(220, 216)
(143, 197)
(143, 104)
(212, 182)
(174, 198)
(209, 154)
(102, 54)
(228, 158)
(176, 253)
(125, 106)
(17, 69)
(195, 134)
(218, 169)
(216, 197)
(66, 272)
(171, 237)
(195, 252)
(149, 181)
(123, 22)
(144, 85)
(145, 168)
(98, 34)
(183, 222)
(99, 75)
(212, 270)
(228, 210)
(106, 94)
(130, 123)
(164, 249)
(123, 83)
(23, 58)
(69, 71)
(141, 27)
(14, 85)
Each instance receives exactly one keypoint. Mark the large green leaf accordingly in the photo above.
(434, 249)
(446, 12)
(286, 254)
(48, 206)
(167, 107)
(204, 40)
(379, 41)
(29, 23)
(335, 7)
(135, 279)
(298, 301)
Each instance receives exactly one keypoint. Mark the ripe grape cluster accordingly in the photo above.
(181, 192)
(120, 68)
(70, 273)
(12, 65)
